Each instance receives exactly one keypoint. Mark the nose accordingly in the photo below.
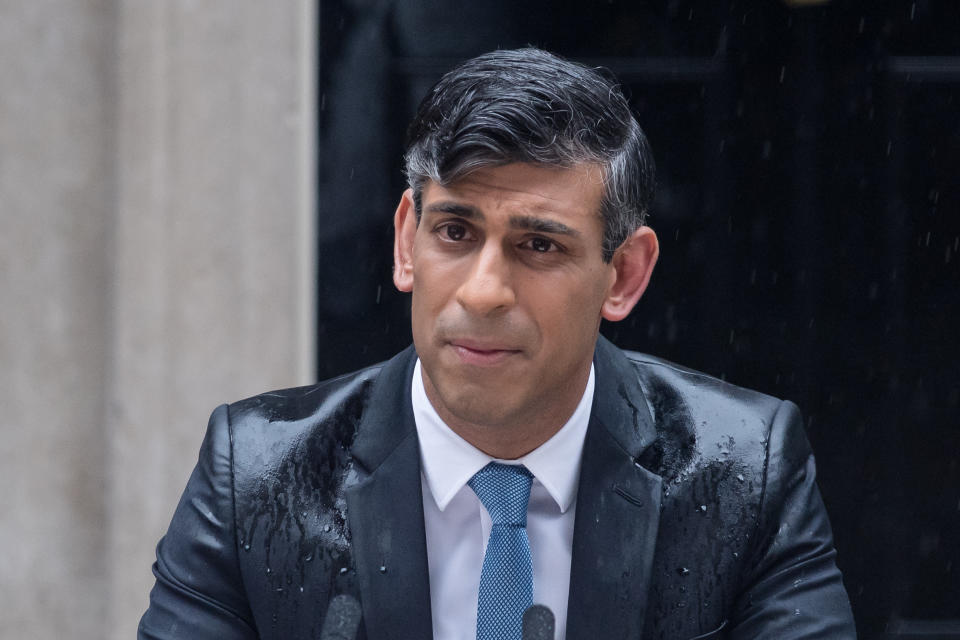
(488, 287)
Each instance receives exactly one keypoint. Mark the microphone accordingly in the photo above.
(342, 620)
(538, 623)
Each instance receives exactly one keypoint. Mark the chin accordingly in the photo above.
(478, 407)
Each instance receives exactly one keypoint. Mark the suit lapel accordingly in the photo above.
(618, 508)
(385, 511)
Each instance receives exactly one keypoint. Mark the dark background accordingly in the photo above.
(808, 216)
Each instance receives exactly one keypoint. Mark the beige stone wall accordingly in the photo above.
(56, 191)
(156, 258)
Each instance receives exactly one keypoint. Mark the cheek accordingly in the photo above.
(434, 288)
(570, 309)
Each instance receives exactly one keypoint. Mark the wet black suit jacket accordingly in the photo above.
(697, 515)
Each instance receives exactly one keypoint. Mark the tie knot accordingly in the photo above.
(504, 490)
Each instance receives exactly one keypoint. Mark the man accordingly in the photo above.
(511, 456)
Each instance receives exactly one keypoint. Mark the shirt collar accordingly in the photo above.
(448, 461)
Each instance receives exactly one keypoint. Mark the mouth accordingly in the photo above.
(482, 354)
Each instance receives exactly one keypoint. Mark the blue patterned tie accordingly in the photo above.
(506, 581)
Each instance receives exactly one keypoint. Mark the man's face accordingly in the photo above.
(508, 282)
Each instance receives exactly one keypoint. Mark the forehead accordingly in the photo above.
(573, 193)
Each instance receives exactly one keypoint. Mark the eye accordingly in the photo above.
(452, 231)
(541, 245)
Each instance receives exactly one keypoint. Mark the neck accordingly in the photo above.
(517, 434)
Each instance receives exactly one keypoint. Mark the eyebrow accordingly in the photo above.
(542, 225)
(529, 223)
(455, 209)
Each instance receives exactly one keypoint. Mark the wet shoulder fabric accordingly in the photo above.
(740, 544)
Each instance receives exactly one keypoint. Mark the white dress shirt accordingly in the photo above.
(458, 526)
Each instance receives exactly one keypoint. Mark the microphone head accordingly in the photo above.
(342, 620)
(538, 623)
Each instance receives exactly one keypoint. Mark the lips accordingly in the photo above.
(481, 353)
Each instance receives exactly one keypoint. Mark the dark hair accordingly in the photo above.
(528, 105)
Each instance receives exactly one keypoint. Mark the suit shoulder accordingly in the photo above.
(287, 428)
(298, 403)
(702, 421)
(669, 386)
(293, 447)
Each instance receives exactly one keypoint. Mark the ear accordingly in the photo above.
(632, 263)
(404, 231)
